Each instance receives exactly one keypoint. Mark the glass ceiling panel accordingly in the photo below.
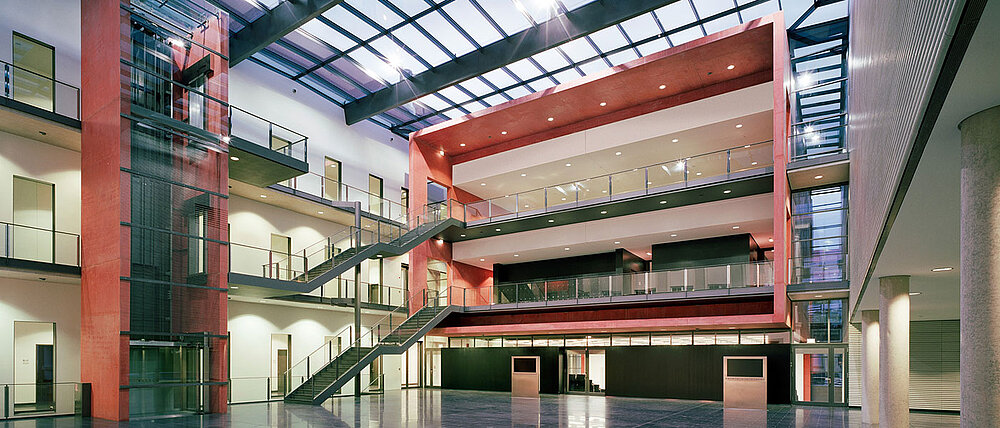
(444, 32)
(416, 41)
(350, 22)
(510, 19)
(451, 28)
(472, 22)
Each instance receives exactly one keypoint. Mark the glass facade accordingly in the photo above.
(728, 337)
(818, 321)
(819, 235)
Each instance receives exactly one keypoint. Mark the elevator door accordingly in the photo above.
(819, 376)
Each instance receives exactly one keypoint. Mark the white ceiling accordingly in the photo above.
(636, 233)
(925, 234)
(700, 127)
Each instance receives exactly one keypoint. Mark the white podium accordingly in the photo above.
(524, 376)
(744, 382)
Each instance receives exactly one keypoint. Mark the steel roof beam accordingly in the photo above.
(273, 25)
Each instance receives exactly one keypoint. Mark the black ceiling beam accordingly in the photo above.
(273, 25)
(563, 28)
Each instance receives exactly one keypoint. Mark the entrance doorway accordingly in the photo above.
(585, 371)
(819, 376)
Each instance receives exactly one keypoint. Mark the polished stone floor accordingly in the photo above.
(448, 408)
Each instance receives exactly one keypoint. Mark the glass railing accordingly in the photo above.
(629, 287)
(28, 87)
(256, 389)
(39, 245)
(263, 132)
(820, 132)
(158, 98)
(663, 177)
(28, 400)
(333, 190)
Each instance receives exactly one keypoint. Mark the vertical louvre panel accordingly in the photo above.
(854, 365)
(934, 365)
(895, 57)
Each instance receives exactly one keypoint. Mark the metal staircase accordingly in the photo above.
(324, 372)
(321, 262)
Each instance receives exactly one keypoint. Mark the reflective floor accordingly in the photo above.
(448, 408)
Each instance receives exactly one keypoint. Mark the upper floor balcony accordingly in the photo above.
(35, 105)
(39, 249)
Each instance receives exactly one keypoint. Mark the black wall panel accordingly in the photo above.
(690, 372)
(704, 252)
(488, 369)
(603, 263)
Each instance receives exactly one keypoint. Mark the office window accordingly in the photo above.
(375, 195)
(33, 73)
(818, 321)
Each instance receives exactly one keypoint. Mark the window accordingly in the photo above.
(332, 177)
(404, 199)
(196, 243)
(34, 71)
(196, 103)
(375, 195)
(818, 321)
(819, 235)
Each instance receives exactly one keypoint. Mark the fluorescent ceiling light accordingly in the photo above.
(942, 269)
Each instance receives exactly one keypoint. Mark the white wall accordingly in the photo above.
(363, 148)
(55, 22)
(44, 162)
(24, 300)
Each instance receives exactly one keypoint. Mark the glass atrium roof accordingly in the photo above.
(361, 46)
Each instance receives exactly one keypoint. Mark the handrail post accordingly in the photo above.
(729, 157)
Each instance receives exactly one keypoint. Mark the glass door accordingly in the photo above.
(585, 371)
(819, 375)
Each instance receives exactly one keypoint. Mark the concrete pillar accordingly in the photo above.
(980, 268)
(894, 351)
(869, 367)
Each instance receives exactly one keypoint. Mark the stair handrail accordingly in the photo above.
(287, 374)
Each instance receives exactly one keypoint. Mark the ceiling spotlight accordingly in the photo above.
(674, 140)
(482, 260)
(378, 255)
(604, 212)
(818, 177)
(697, 173)
(515, 255)
(662, 202)
(440, 241)
(753, 163)
(735, 227)
(482, 184)
(564, 199)
(551, 119)
(263, 196)
(603, 104)
(618, 153)
(663, 86)
(942, 269)
(673, 235)
(648, 253)
(739, 125)
(727, 191)
(730, 67)
(566, 249)
(770, 239)
(569, 164)
(234, 158)
(234, 287)
(462, 145)
(526, 205)
(524, 175)
(914, 293)
(462, 235)
(617, 242)
(319, 212)
(503, 132)
(551, 221)
(441, 152)
(498, 229)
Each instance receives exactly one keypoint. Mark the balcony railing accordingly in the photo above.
(820, 133)
(46, 93)
(62, 398)
(818, 268)
(263, 132)
(676, 174)
(640, 286)
(39, 244)
(332, 190)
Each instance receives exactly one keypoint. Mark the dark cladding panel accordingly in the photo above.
(488, 369)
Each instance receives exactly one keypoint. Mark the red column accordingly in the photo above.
(782, 194)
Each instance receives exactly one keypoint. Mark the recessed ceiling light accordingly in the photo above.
(914, 293)
(482, 184)
(440, 241)
(441, 152)
(604, 212)
(552, 221)
(663, 86)
(569, 164)
(942, 269)
(462, 235)
(674, 140)
(515, 255)
(746, 146)
(379, 256)
(564, 199)
(739, 125)
(319, 212)
(551, 119)
(753, 163)
(731, 66)
(498, 229)
(524, 175)
(603, 104)
(263, 196)
(234, 158)
(727, 191)
(662, 202)
(503, 132)
(566, 249)
(735, 227)
(618, 153)
(617, 242)
(482, 260)
(462, 145)
(818, 295)
(234, 287)
(697, 173)
(648, 253)
(818, 177)
(770, 239)
(673, 235)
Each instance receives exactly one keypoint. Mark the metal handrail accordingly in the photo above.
(294, 181)
(9, 87)
(8, 244)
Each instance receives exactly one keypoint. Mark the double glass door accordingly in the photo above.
(818, 374)
(585, 371)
